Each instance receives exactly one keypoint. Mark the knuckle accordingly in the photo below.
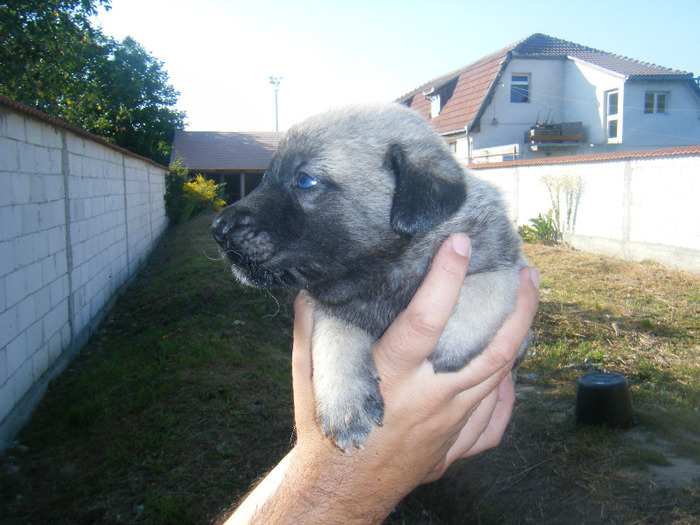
(425, 325)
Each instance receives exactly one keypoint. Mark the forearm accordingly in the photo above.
(325, 486)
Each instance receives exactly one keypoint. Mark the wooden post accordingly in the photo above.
(241, 181)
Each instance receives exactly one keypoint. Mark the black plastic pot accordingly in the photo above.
(604, 399)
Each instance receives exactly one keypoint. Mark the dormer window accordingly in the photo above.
(434, 97)
(520, 87)
(435, 105)
(439, 96)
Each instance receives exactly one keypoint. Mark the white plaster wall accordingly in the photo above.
(635, 209)
(570, 90)
(679, 126)
(512, 119)
(77, 219)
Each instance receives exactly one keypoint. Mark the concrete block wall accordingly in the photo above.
(78, 218)
(639, 207)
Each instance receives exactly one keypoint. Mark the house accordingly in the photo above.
(236, 159)
(543, 96)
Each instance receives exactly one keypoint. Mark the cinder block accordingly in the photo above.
(8, 326)
(29, 214)
(40, 362)
(19, 188)
(58, 291)
(9, 155)
(22, 380)
(15, 354)
(33, 132)
(14, 126)
(32, 274)
(27, 158)
(34, 338)
(25, 313)
(43, 161)
(54, 321)
(37, 189)
(61, 261)
(51, 214)
(7, 257)
(42, 301)
(15, 287)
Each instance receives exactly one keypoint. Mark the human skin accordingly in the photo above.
(430, 420)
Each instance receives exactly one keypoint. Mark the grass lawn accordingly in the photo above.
(183, 398)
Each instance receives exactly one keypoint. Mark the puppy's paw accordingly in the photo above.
(350, 420)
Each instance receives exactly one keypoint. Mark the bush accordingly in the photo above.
(175, 200)
(543, 230)
(186, 197)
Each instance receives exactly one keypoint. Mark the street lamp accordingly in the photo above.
(275, 81)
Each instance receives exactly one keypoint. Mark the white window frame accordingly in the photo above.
(613, 116)
(665, 95)
(516, 86)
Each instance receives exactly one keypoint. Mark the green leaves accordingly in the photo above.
(52, 59)
(542, 230)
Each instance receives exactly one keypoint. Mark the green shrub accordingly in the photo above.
(175, 200)
(543, 230)
(186, 197)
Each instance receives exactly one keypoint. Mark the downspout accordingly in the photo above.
(469, 144)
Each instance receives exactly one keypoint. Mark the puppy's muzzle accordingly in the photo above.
(240, 239)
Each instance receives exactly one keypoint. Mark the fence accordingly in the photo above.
(635, 205)
(78, 217)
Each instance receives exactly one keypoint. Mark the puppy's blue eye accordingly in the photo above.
(305, 181)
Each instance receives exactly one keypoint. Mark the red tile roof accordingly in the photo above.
(676, 151)
(473, 83)
(225, 151)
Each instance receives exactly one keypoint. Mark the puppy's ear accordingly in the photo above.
(422, 198)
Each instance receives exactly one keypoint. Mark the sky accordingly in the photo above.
(220, 54)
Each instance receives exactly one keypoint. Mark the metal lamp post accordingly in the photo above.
(275, 81)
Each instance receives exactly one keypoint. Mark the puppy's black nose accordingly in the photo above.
(219, 228)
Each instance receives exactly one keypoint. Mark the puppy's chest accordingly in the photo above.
(373, 314)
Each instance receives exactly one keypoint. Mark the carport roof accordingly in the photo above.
(224, 151)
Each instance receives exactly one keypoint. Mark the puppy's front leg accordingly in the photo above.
(345, 381)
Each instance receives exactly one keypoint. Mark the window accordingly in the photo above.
(612, 100)
(655, 102)
(520, 87)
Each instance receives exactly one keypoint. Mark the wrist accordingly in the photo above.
(332, 486)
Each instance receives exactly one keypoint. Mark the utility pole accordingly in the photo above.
(275, 81)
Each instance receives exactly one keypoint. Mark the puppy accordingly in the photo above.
(353, 207)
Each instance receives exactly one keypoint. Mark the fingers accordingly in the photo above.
(304, 403)
(496, 422)
(416, 331)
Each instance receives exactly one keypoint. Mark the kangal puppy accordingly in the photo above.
(353, 207)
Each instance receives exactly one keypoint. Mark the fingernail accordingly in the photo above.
(461, 244)
(535, 277)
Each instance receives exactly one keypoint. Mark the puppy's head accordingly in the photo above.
(345, 191)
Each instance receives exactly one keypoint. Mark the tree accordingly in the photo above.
(52, 59)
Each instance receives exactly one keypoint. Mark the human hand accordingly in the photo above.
(430, 419)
